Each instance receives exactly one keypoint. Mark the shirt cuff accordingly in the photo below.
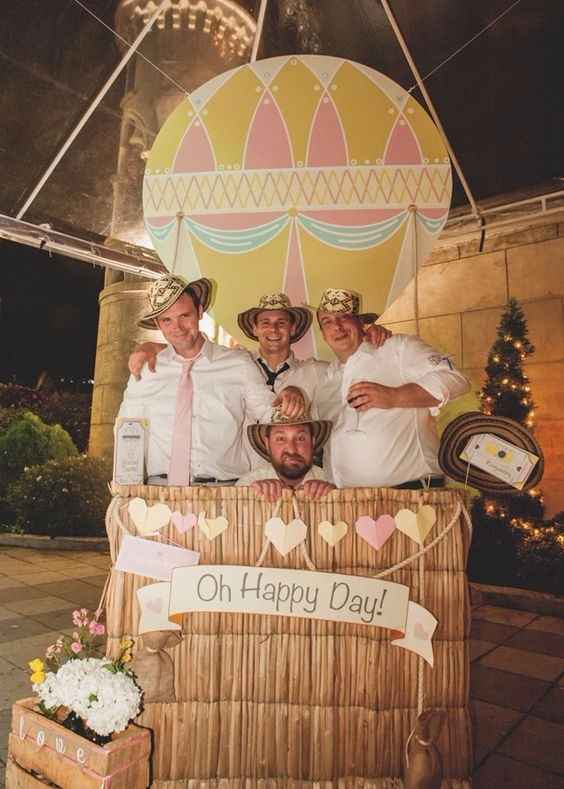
(437, 388)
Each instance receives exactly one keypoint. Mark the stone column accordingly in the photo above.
(121, 304)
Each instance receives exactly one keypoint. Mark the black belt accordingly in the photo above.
(213, 481)
(201, 480)
(421, 484)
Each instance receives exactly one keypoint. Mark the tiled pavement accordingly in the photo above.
(517, 665)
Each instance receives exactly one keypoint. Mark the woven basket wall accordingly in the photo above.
(277, 701)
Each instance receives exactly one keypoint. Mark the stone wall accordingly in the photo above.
(461, 294)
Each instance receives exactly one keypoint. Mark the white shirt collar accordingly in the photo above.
(207, 351)
(290, 361)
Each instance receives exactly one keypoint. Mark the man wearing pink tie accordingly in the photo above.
(200, 395)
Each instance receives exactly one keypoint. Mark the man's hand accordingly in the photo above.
(365, 395)
(146, 353)
(316, 488)
(268, 489)
(376, 335)
(292, 402)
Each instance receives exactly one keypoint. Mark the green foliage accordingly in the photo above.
(512, 551)
(507, 391)
(62, 497)
(29, 441)
(69, 409)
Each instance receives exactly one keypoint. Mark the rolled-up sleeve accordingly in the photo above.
(432, 371)
(257, 397)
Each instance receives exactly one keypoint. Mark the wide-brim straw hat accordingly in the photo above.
(459, 432)
(343, 302)
(301, 316)
(165, 291)
(321, 430)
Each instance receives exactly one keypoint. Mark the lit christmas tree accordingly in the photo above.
(507, 393)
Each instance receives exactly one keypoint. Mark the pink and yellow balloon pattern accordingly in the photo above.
(296, 174)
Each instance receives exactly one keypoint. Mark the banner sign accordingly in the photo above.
(302, 593)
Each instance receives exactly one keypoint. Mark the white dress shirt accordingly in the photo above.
(307, 374)
(228, 391)
(394, 445)
(268, 472)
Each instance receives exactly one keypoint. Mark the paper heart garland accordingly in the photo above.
(417, 525)
(285, 538)
(332, 533)
(184, 522)
(375, 532)
(212, 527)
(148, 520)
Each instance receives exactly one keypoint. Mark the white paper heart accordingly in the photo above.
(285, 537)
(148, 520)
(332, 533)
(212, 527)
(416, 525)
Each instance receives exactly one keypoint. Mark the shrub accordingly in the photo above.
(69, 409)
(29, 441)
(62, 497)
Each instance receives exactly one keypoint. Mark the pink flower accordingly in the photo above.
(76, 647)
(76, 618)
(96, 628)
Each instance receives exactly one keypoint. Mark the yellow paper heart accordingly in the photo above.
(212, 527)
(148, 520)
(416, 525)
(285, 537)
(332, 533)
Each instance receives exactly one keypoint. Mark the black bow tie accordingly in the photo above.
(270, 375)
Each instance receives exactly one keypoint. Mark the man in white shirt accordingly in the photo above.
(288, 446)
(384, 434)
(225, 390)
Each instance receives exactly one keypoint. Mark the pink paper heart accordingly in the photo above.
(375, 533)
(420, 632)
(184, 522)
(156, 605)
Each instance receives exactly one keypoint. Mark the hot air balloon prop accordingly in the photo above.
(297, 173)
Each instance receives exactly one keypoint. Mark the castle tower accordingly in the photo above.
(189, 44)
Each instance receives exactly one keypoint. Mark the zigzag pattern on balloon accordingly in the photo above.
(247, 190)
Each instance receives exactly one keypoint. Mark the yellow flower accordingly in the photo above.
(36, 665)
(126, 658)
(126, 643)
(38, 677)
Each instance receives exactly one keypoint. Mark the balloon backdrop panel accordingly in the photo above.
(297, 173)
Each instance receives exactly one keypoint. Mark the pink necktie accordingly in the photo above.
(179, 470)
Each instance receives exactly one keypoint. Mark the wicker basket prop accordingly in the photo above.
(273, 701)
(42, 753)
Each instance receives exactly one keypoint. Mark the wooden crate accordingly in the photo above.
(42, 752)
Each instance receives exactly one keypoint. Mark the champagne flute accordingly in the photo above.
(354, 420)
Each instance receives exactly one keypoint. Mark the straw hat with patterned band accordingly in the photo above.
(344, 302)
(301, 316)
(321, 429)
(459, 432)
(165, 291)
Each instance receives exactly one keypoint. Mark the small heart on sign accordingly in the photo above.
(184, 522)
(155, 605)
(212, 527)
(420, 632)
(285, 538)
(417, 525)
(375, 532)
(332, 533)
(148, 520)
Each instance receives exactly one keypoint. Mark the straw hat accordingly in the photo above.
(321, 430)
(460, 431)
(165, 291)
(344, 302)
(276, 301)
